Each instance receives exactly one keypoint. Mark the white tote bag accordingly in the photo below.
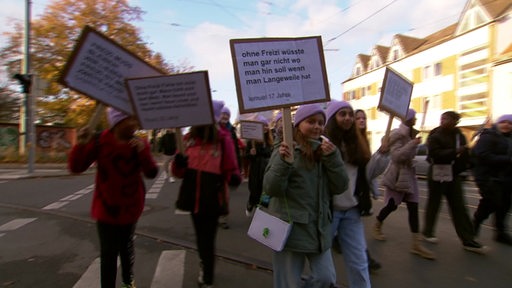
(269, 230)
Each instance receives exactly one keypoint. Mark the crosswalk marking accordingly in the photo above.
(66, 200)
(15, 224)
(91, 277)
(170, 269)
(153, 192)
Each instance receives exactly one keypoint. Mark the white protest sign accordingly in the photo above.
(177, 100)
(252, 130)
(395, 94)
(272, 73)
(98, 67)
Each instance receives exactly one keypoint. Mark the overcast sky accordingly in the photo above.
(198, 31)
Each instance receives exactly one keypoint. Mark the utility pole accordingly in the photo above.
(28, 135)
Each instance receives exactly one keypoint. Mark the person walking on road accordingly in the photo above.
(167, 147)
(447, 147)
(258, 154)
(493, 176)
(224, 123)
(301, 192)
(401, 184)
(349, 207)
(207, 166)
(119, 192)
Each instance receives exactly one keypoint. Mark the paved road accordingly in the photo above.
(57, 232)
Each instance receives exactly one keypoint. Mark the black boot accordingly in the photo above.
(373, 265)
(504, 238)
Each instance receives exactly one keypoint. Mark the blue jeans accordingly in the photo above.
(289, 265)
(349, 227)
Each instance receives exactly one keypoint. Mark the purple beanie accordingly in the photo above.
(307, 110)
(217, 108)
(506, 117)
(262, 119)
(334, 106)
(278, 117)
(115, 116)
(225, 109)
(410, 114)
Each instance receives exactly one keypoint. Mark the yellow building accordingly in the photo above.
(465, 67)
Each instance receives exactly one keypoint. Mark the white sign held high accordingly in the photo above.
(272, 73)
(176, 100)
(99, 66)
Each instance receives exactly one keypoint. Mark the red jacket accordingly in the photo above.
(210, 167)
(119, 193)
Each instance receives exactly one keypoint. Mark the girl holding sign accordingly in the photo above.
(122, 159)
(207, 166)
(301, 192)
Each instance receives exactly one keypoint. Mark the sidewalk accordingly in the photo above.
(10, 171)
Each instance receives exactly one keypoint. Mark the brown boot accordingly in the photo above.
(418, 249)
(377, 231)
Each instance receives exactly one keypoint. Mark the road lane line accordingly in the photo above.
(15, 224)
(66, 200)
(170, 269)
(155, 189)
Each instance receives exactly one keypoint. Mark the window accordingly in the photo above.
(473, 83)
(396, 54)
(437, 69)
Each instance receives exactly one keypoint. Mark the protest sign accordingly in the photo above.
(252, 130)
(176, 100)
(395, 96)
(272, 73)
(98, 67)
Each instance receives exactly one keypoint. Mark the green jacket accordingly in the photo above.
(303, 195)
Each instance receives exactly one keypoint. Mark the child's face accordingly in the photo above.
(361, 120)
(127, 127)
(504, 126)
(313, 126)
(345, 118)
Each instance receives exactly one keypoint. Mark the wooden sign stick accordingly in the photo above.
(288, 131)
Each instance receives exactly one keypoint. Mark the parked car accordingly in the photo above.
(420, 160)
(421, 163)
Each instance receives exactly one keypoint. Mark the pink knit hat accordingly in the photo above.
(506, 117)
(217, 109)
(410, 114)
(334, 106)
(115, 116)
(225, 109)
(307, 110)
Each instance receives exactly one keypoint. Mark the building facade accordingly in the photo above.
(465, 67)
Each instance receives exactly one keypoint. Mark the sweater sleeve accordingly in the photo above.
(149, 167)
(82, 156)
(275, 180)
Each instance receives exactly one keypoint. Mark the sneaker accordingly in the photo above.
(200, 280)
(432, 239)
(131, 285)
(474, 246)
(503, 238)
(249, 210)
(172, 180)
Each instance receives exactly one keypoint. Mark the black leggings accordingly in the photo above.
(412, 208)
(116, 240)
(206, 232)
